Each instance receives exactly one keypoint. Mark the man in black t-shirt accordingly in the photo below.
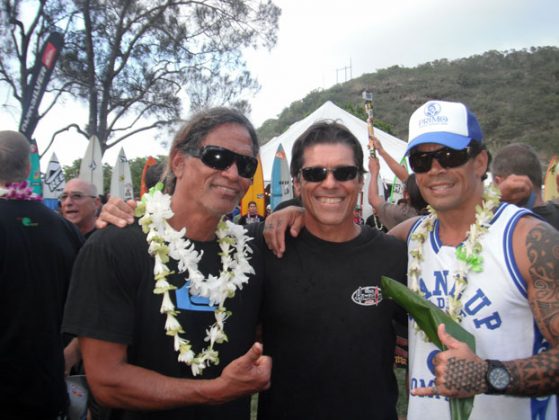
(37, 250)
(140, 329)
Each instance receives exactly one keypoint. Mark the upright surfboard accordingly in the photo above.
(53, 183)
(91, 167)
(281, 188)
(550, 181)
(255, 193)
(121, 180)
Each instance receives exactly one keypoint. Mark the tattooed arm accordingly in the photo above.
(536, 248)
(460, 373)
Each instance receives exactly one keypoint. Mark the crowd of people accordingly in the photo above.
(173, 312)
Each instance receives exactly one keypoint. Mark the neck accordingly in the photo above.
(200, 226)
(87, 227)
(454, 224)
(333, 233)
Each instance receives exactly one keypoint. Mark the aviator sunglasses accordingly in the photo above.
(220, 158)
(319, 174)
(421, 162)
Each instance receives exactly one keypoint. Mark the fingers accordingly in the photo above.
(255, 351)
(117, 212)
(446, 339)
(424, 392)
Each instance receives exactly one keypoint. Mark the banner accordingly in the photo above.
(42, 71)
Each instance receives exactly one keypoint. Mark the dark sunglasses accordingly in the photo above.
(421, 162)
(319, 174)
(220, 158)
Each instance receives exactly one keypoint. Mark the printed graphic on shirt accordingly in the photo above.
(187, 302)
(367, 296)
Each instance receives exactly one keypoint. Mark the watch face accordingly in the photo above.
(499, 378)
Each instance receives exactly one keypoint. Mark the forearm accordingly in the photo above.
(399, 170)
(535, 376)
(375, 199)
(136, 388)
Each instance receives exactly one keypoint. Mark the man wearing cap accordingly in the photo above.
(491, 266)
(507, 292)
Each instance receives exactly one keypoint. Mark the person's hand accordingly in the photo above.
(116, 212)
(459, 373)
(374, 167)
(514, 189)
(277, 223)
(378, 145)
(246, 375)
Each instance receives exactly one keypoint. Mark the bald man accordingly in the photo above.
(79, 204)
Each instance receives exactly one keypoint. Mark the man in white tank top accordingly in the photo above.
(493, 267)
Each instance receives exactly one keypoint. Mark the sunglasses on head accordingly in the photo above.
(421, 162)
(319, 174)
(220, 158)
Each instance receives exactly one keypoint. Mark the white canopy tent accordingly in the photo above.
(329, 111)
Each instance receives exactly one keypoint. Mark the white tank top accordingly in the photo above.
(495, 310)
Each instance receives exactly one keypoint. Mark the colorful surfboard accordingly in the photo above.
(550, 181)
(91, 167)
(281, 188)
(121, 180)
(53, 183)
(255, 193)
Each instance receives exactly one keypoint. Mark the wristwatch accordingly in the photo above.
(497, 377)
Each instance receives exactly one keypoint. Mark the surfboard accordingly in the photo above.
(255, 193)
(150, 161)
(91, 167)
(281, 188)
(550, 181)
(121, 179)
(53, 183)
(34, 179)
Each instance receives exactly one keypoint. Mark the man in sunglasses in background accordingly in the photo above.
(79, 204)
(508, 293)
(139, 361)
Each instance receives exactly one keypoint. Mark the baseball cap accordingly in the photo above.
(450, 124)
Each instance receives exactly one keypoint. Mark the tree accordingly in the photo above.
(134, 61)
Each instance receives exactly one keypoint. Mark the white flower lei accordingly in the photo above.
(468, 254)
(165, 242)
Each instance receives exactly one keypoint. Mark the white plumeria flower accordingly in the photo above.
(167, 304)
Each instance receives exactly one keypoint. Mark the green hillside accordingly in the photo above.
(515, 95)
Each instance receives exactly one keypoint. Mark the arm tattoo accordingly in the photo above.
(465, 376)
(539, 375)
(542, 246)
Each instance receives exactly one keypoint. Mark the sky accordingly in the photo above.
(321, 43)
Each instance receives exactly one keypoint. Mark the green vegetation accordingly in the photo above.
(515, 95)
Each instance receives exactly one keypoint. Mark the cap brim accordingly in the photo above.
(452, 140)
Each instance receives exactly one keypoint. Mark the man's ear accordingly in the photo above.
(177, 163)
(297, 186)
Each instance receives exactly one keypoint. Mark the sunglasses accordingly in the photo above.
(220, 158)
(319, 174)
(421, 162)
(75, 196)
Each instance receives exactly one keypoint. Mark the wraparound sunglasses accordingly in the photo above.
(319, 173)
(220, 158)
(421, 162)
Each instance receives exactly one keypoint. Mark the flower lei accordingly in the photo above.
(19, 191)
(468, 254)
(165, 242)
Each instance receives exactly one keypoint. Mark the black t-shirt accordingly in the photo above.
(111, 298)
(549, 212)
(37, 250)
(328, 329)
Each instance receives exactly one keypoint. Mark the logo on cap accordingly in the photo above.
(432, 111)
